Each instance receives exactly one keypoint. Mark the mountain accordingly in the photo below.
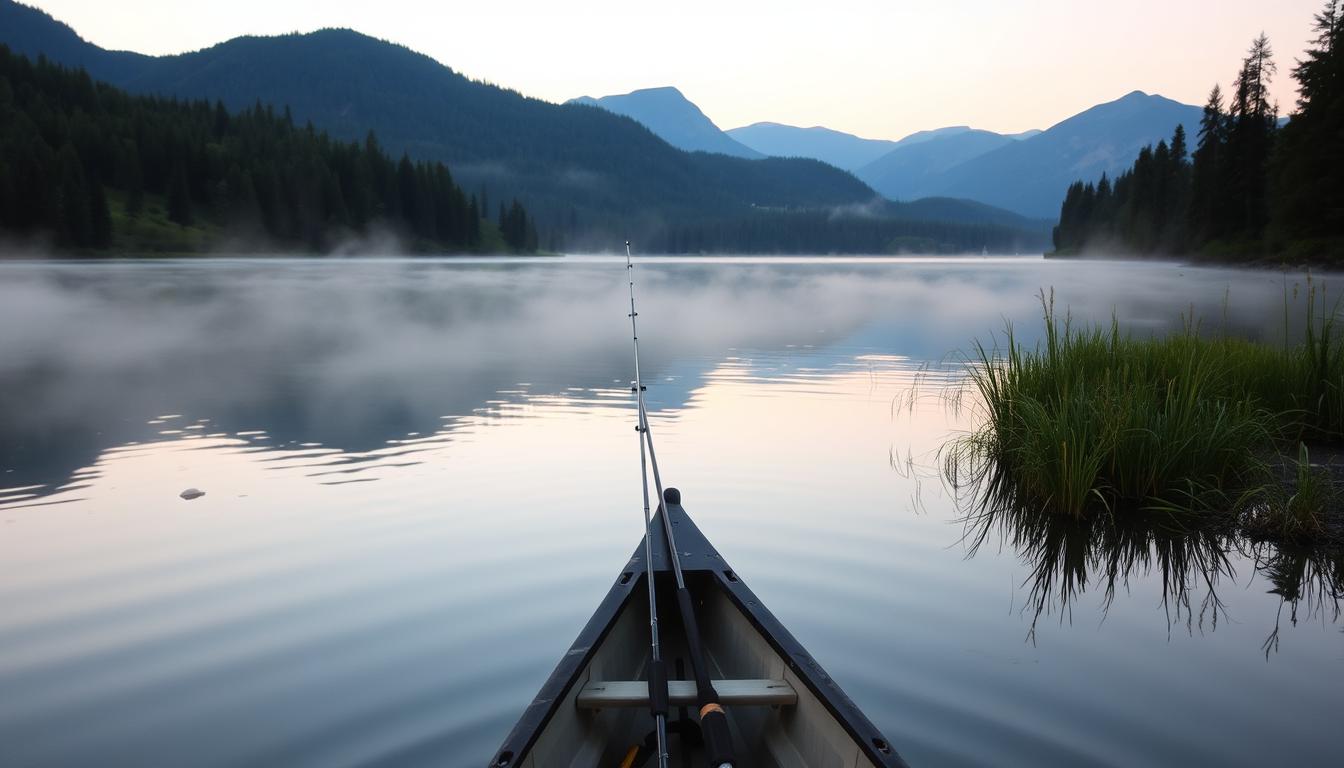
(919, 137)
(589, 178)
(1030, 176)
(1027, 173)
(583, 172)
(673, 117)
(905, 171)
(86, 167)
(30, 32)
(841, 150)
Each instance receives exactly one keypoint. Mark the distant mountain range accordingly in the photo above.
(668, 113)
(596, 169)
(905, 171)
(842, 150)
(1032, 175)
(1027, 173)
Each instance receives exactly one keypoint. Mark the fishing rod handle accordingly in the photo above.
(713, 721)
(718, 740)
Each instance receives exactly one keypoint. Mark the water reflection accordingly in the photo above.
(419, 480)
(1067, 556)
(1307, 579)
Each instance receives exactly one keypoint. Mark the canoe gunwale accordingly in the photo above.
(563, 678)
(698, 559)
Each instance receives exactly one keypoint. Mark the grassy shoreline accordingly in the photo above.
(1199, 430)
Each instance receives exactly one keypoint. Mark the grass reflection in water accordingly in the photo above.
(1101, 459)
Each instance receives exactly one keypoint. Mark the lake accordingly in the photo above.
(421, 476)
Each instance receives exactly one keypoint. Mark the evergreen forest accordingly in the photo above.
(85, 166)
(1250, 187)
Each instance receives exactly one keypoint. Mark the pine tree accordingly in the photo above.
(1249, 142)
(1207, 190)
(1308, 166)
(1178, 148)
(221, 120)
(179, 198)
(76, 220)
(100, 218)
(1176, 202)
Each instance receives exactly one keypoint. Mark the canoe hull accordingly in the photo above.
(742, 639)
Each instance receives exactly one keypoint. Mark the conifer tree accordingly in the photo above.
(76, 220)
(1207, 189)
(100, 218)
(1308, 167)
(179, 198)
(1250, 137)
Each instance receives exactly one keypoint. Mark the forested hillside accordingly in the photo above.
(1249, 188)
(589, 179)
(846, 232)
(83, 165)
(587, 173)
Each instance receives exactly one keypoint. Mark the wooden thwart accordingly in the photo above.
(603, 694)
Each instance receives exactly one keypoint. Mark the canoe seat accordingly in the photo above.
(603, 694)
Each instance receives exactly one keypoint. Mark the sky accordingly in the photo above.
(876, 69)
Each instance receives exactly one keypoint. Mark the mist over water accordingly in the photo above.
(421, 475)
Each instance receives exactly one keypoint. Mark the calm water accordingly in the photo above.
(421, 476)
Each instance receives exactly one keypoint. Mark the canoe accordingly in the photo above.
(783, 709)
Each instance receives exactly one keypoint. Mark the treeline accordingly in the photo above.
(1249, 187)
(820, 231)
(87, 166)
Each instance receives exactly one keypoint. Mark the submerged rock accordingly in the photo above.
(192, 493)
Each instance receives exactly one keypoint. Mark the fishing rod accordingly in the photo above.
(713, 720)
(657, 671)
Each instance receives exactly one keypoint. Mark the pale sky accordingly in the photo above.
(876, 69)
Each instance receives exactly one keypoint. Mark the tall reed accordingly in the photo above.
(1093, 420)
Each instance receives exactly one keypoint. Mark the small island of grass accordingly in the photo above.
(1202, 430)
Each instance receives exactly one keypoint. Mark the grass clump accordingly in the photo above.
(1298, 508)
(1093, 421)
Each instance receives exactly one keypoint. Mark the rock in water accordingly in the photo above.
(192, 493)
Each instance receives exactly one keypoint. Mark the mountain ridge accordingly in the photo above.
(677, 120)
(903, 172)
(1031, 176)
(579, 169)
(840, 149)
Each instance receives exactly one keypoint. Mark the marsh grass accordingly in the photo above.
(1296, 509)
(1092, 421)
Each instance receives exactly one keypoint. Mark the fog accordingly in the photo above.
(353, 352)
